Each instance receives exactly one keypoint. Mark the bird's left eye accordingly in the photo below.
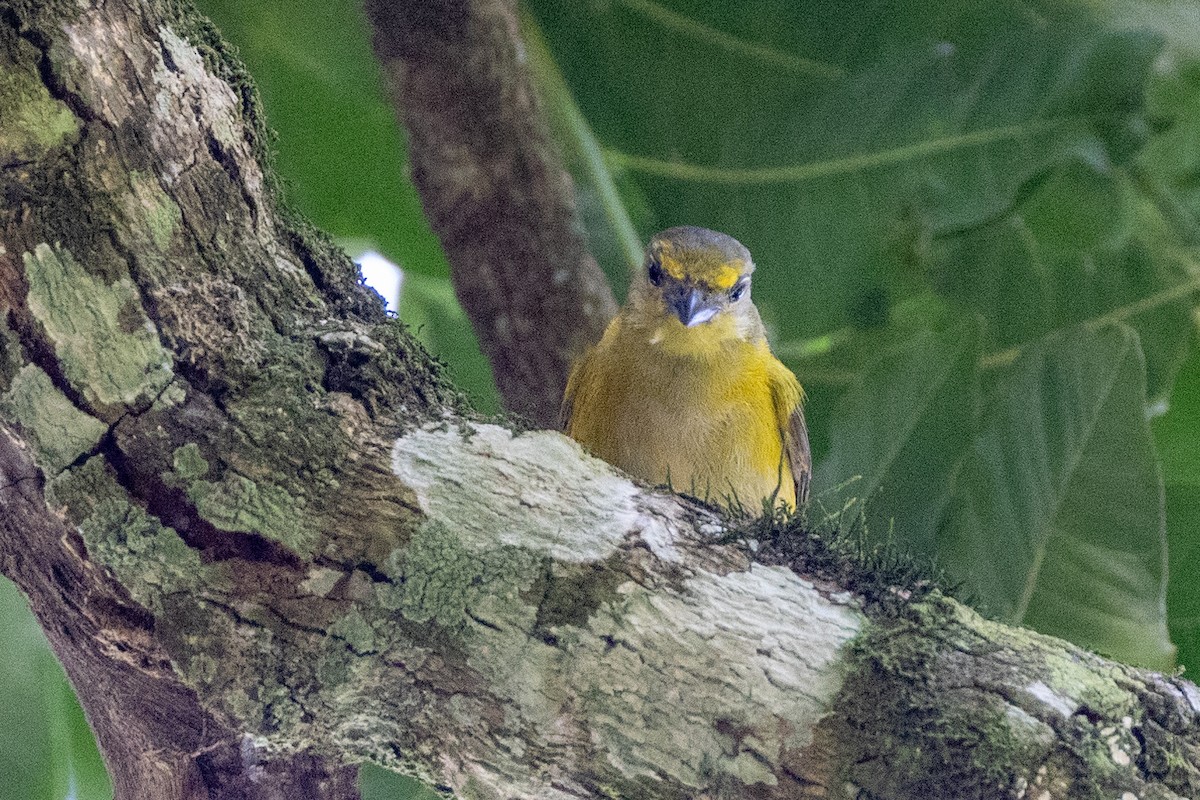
(655, 272)
(737, 291)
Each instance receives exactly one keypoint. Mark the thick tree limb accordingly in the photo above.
(495, 192)
(265, 543)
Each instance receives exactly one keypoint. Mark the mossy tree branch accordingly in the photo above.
(266, 541)
(495, 191)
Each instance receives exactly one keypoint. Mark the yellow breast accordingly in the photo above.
(698, 414)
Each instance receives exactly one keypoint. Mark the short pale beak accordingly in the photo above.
(690, 306)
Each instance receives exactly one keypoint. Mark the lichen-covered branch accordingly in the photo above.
(266, 541)
(495, 191)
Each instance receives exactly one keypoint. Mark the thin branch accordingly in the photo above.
(495, 192)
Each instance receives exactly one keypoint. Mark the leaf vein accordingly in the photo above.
(682, 170)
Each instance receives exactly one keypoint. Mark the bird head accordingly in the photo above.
(700, 278)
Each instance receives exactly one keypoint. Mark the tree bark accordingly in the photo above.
(267, 542)
(495, 191)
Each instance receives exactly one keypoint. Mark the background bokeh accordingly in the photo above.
(976, 226)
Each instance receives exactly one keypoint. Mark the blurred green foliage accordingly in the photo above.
(46, 748)
(976, 225)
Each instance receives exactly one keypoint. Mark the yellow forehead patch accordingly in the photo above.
(721, 275)
(726, 275)
(671, 265)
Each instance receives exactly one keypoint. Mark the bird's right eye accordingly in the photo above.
(655, 272)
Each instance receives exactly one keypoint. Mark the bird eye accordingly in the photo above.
(655, 272)
(738, 290)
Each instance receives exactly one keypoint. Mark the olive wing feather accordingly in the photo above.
(795, 442)
(788, 399)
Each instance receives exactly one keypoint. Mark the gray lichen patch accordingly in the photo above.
(149, 559)
(574, 508)
(464, 589)
(214, 111)
(108, 349)
(483, 600)
(33, 122)
(188, 69)
(1067, 684)
(58, 431)
(666, 678)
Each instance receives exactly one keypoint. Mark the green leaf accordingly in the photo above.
(1177, 434)
(903, 428)
(1183, 590)
(1056, 520)
(377, 783)
(1073, 250)
(46, 748)
(870, 127)
(1171, 160)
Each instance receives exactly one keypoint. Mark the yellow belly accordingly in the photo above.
(705, 425)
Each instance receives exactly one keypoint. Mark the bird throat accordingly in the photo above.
(709, 338)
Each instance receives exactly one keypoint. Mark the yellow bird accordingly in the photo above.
(683, 389)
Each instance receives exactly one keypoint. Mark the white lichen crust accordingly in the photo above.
(684, 674)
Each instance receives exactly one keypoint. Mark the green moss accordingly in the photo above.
(906, 736)
(838, 549)
(12, 357)
(356, 631)
(39, 13)
(188, 463)
(148, 558)
(156, 208)
(33, 122)
(108, 349)
(58, 431)
(236, 503)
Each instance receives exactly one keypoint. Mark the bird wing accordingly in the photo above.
(795, 443)
(568, 402)
(788, 399)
